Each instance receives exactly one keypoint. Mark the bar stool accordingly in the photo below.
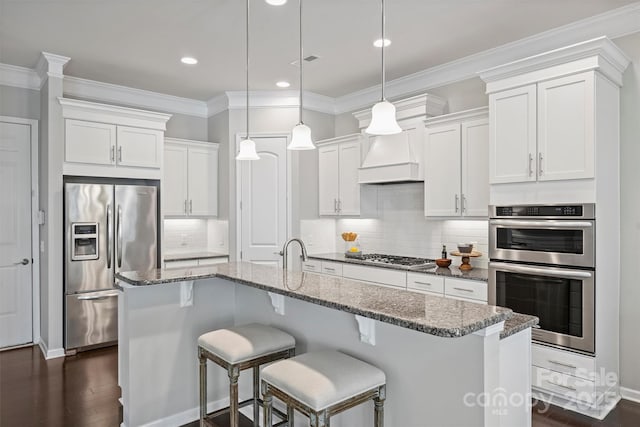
(322, 384)
(236, 349)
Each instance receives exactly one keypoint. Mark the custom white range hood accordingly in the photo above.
(398, 158)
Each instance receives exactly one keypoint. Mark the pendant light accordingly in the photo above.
(301, 133)
(247, 146)
(383, 114)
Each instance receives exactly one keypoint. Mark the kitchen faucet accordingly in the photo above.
(283, 252)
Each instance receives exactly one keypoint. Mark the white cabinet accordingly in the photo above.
(190, 181)
(112, 141)
(191, 263)
(338, 163)
(544, 131)
(474, 290)
(456, 165)
(425, 283)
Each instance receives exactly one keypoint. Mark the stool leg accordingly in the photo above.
(267, 400)
(234, 373)
(203, 387)
(256, 395)
(378, 403)
(290, 416)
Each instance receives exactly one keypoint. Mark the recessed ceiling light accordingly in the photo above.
(283, 84)
(188, 60)
(378, 43)
(276, 2)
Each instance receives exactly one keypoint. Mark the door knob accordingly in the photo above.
(24, 261)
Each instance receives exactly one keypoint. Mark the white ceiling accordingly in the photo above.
(138, 43)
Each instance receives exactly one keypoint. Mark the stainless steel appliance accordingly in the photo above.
(398, 261)
(110, 225)
(542, 263)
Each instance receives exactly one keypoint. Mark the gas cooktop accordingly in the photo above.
(396, 260)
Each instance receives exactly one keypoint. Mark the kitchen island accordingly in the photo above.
(445, 361)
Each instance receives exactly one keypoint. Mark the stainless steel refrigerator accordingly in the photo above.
(110, 226)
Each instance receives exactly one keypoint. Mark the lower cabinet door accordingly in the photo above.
(91, 319)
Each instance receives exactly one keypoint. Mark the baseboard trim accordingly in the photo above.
(630, 394)
(50, 354)
(185, 417)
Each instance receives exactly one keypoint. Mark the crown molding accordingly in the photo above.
(93, 111)
(217, 105)
(107, 92)
(614, 24)
(237, 100)
(420, 106)
(473, 114)
(51, 65)
(25, 78)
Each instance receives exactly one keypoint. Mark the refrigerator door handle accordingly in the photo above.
(109, 237)
(119, 226)
(98, 297)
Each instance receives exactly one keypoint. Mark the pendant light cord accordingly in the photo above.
(382, 48)
(300, 60)
(247, 69)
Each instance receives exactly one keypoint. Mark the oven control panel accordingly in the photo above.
(544, 211)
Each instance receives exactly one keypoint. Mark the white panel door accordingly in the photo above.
(328, 180)
(349, 188)
(442, 171)
(89, 142)
(512, 147)
(475, 168)
(139, 147)
(203, 181)
(15, 235)
(264, 202)
(174, 181)
(566, 126)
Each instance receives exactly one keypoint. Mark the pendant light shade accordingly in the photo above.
(383, 119)
(247, 150)
(247, 146)
(301, 133)
(383, 114)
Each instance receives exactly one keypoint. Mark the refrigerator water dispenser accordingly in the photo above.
(84, 238)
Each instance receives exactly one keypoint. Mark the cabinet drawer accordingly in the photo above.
(212, 261)
(384, 276)
(181, 263)
(332, 268)
(312, 265)
(425, 283)
(563, 361)
(567, 386)
(471, 289)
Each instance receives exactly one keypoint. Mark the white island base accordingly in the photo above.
(474, 380)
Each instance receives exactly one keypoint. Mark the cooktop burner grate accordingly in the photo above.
(397, 260)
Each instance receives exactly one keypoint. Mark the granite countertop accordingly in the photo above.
(434, 315)
(481, 274)
(516, 323)
(184, 256)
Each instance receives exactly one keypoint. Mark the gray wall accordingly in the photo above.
(218, 129)
(18, 102)
(463, 95)
(187, 127)
(630, 215)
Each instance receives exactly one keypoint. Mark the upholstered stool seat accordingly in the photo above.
(321, 384)
(236, 349)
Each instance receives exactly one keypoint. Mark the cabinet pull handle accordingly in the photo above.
(463, 204)
(566, 365)
(456, 203)
(530, 164)
(339, 205)
(335, 205)
(566, 387)
(120, 154)
(186, 210)
(540, 164)
(113, 154)
(463, 289)
(191, 206)
(330, 269)
(422, 283)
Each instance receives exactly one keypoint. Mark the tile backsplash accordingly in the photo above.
(195, 235)
(400, 228)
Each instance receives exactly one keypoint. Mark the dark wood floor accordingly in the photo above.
(83, 391)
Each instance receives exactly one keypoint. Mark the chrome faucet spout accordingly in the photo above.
(285, 248)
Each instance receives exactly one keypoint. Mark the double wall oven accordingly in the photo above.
(542, 263)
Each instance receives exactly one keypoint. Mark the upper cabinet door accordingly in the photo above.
(174, 182)
(512, 148)
(139, 147)
(203, 181)
(328, 172)
(350, 159)
(566, 118)
(475, 168)
(89, 142)
(442, 171)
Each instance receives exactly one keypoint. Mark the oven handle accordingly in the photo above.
(555, 272)
(542, 224)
